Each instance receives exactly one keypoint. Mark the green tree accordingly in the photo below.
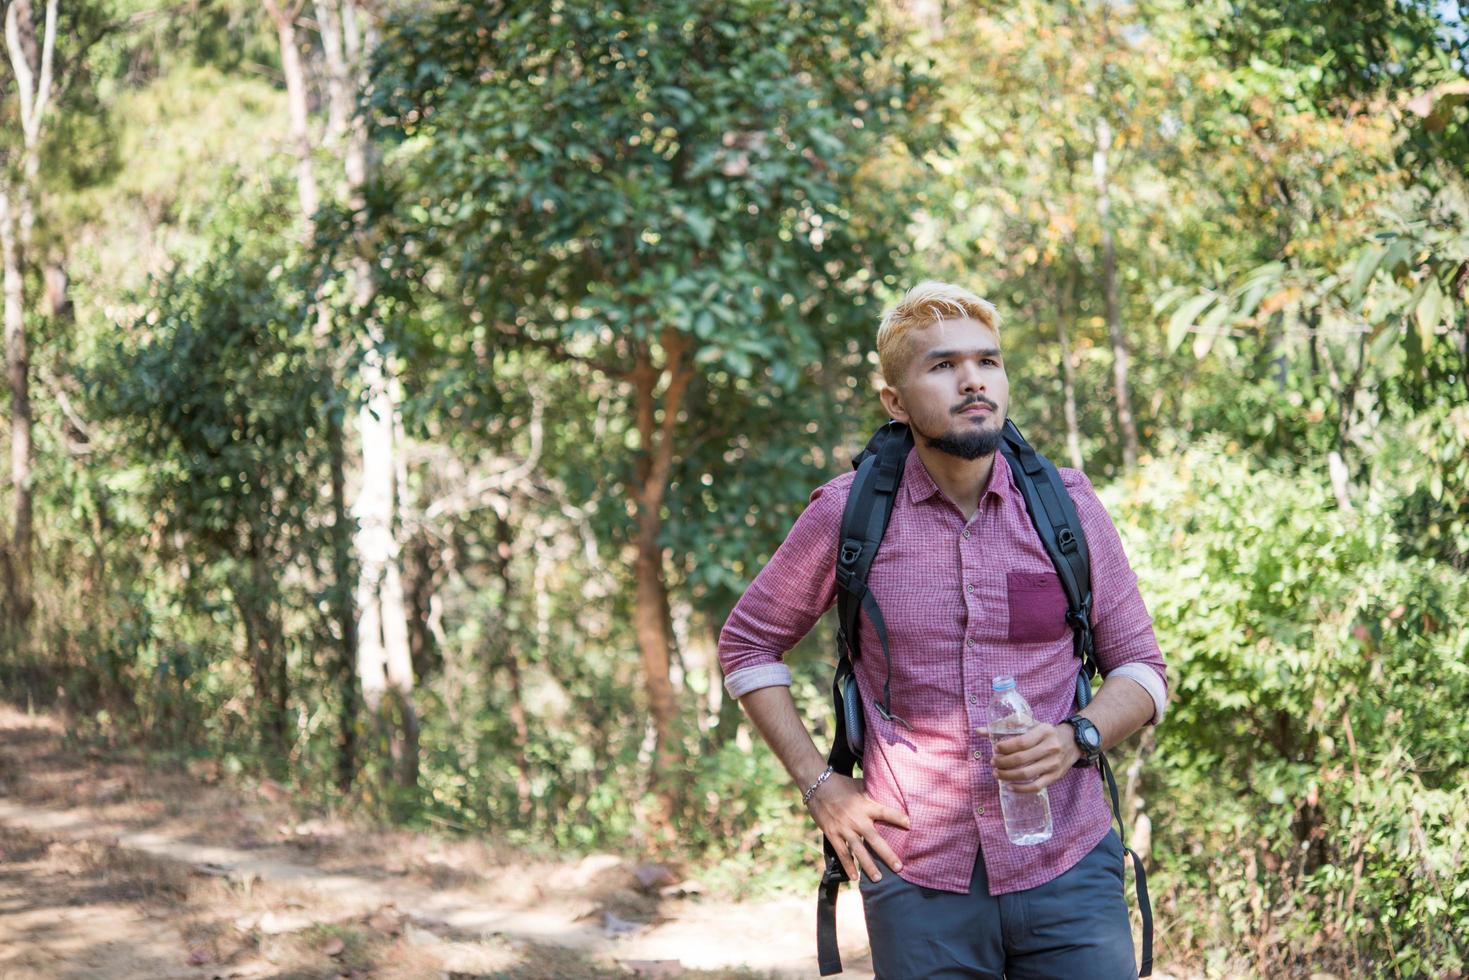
(1384, 336)
(219, 390)
(1312, 741)
(1075, 165)
(660, 195)
(1409, 58)
(40, 75)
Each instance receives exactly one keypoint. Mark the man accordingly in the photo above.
(968, 593)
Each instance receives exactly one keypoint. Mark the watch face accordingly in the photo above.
(1087, 734)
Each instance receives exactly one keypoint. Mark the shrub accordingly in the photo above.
(1307, 793)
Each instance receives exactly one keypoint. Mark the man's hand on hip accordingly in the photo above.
(1031, 761)
(848, 817)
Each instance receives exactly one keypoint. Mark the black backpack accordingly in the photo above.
(864, 521)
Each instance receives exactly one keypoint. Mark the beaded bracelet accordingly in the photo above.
(806, 799)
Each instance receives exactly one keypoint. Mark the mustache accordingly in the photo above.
(976, 400)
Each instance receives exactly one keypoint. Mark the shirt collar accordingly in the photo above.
(921, 485)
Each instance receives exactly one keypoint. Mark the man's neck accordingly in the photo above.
(963, 481)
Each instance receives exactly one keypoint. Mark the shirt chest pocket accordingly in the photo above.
(1037, 606)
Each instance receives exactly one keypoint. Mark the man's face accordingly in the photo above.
(954, 392)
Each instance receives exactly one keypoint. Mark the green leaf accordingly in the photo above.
(1183, 318)
(1362, 273)
(1168, 297)
(1429, 311)
(1209, 329)
(701, 225)
(1398, 253)
(704, 325)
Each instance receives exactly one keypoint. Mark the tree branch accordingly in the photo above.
(48, 53)
(559, 349)
(276, 14)
(24, 77)
(675, 345)
(498, 483)
(660, 449)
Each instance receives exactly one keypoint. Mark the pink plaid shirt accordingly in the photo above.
(964, 603)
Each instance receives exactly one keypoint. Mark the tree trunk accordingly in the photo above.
(385, 657)
(384, 660)
(650, 617)
(340, 594)
(17, 369)
(383, 649)
(339, 89)
(1102, 184)
(729, 715)
(297, 101)
(1064, 308)
(1461, 340)
(422, 571)
(510, 635)
(31, 65)
(341, 600)
(255, 601)
(400, 676)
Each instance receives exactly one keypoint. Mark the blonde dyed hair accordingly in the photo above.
(925, 304)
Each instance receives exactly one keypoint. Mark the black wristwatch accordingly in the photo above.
(1088, 740)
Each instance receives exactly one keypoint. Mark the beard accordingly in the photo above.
(971, 444)
(967, 445)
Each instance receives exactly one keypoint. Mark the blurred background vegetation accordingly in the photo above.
(399, 394)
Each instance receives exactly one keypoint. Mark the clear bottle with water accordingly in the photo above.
(1027, 815)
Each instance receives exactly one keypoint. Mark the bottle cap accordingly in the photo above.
(1003, 683)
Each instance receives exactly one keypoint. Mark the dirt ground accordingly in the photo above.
(111, 870)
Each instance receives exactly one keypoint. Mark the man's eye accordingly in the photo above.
(944, 364)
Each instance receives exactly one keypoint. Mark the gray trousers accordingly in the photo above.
(1073, 926)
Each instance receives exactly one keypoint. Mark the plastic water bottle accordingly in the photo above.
(1027, 815)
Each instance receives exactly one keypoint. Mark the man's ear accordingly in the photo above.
(893, 403)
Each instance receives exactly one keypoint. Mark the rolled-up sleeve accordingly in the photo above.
(786, 599)
(1125, 643)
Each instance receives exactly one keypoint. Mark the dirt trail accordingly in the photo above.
(109, 870)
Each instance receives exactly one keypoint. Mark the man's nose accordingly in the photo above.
(971, 380)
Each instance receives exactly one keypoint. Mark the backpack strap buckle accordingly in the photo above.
(848, 562)
(1080, 621)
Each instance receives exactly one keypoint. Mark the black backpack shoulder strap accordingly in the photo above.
(1054, 515)
(864, 522)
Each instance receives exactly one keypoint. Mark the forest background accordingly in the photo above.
(399, 395)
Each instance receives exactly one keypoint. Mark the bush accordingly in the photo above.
(1307, 794)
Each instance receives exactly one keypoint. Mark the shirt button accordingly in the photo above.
(966, 534)
(977, 753)
(974, 699)
(969, 641)
(969, 587)
(980, 810)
